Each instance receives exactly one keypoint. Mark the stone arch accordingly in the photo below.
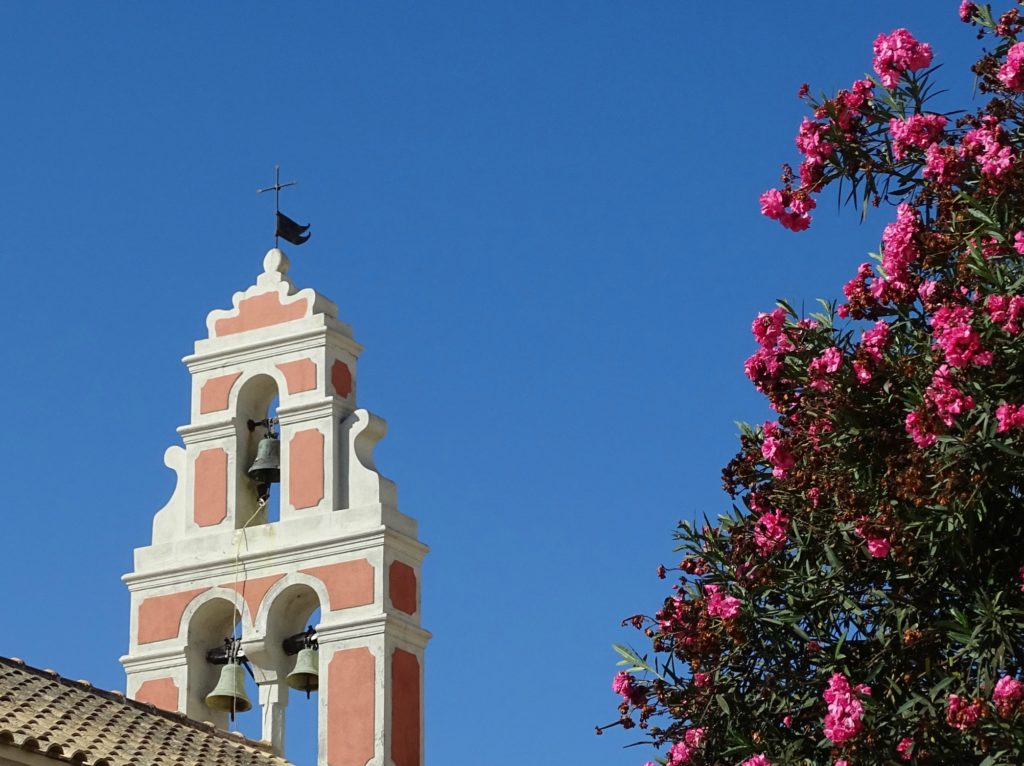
(285, 610)
(252, 399)
(206, 622)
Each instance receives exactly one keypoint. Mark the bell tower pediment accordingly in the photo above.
(274, 414)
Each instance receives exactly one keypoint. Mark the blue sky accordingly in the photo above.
(539, 217)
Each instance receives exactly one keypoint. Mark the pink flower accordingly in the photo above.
(768, 328)
(774, 204)
(967, 11)
(1011, 73)
(897, 52)
(916, 425)
(947, 400)
(1007, 694)
(941, 165)
(719, 605)
(952, 332)
(770, 532)
(917, 131)
(678, 753)
(875, 340)
(1018, 242)
(757, 760)
(961, 714)
(845, 711)
(787, 721)
(877, 543)
(1006, 311)
(1009, 416)
(623, 685)
(987, 145)
(777, 453)
(899, 245)
(681, 751)
(700, 680)
(842, 762)
(827, 363)
(904, 749)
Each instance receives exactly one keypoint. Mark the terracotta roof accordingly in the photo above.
(73, 722)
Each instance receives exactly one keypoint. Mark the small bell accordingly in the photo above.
(306, 675)
(266, 468)
(229, 695)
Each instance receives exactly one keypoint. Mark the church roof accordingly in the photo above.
(71, 721)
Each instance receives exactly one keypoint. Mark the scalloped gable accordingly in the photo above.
(271, 301)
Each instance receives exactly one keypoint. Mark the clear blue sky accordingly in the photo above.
(541, 219)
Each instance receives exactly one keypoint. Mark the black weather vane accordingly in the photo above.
(285, 227)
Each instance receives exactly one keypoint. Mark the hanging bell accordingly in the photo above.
(266, 468)
(229, 695)
(306, 675)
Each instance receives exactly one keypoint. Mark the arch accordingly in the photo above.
(288, 598)
(251, 401)
(254, 392)
(218, 593)
(208, 620)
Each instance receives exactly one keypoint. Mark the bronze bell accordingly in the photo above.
(306, 675)
(229, 695)
(266, 468)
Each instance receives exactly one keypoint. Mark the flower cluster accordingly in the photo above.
(953, 332)
(962, 713)
(1006, 311)
(721, 605)
(1011, 73)
(791, 209)
(898, 52)
(918, 131)
(1007, 695)
(988, 147)
(844, 719)
(770, 532)
(1009, 416)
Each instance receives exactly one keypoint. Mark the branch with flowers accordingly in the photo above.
(862, 602)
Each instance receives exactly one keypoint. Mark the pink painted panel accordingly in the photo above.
(254, 590)
(349, 583)
(210, 498)
(160, 616)
(405, 709)
(259, 311)
(350, 707)
(402, 586)
(162, 692)
(213, 396)
(306, 468)
(341, 377)
(300, 375)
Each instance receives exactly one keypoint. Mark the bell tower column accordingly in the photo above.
(220, 567)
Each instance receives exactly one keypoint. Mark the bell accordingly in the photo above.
(229, 694)
(266, 468)
(306, 675)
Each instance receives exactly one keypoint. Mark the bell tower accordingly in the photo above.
(219, 568)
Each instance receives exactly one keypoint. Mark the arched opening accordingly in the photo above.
(212, 622)
(256, 418)
(303, 715)
(293, 611)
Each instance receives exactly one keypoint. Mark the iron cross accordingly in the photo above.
(276, 188)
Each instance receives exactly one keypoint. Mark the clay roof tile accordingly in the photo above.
(72, 721)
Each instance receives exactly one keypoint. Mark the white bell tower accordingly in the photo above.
(217, 564)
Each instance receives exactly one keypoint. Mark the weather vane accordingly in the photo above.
(286, 228)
